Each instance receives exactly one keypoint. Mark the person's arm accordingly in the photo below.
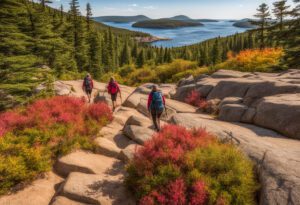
(164, 100)
(83, 85)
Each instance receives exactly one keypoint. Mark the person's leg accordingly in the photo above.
(154, 119)
(158, 120)
(113, 99)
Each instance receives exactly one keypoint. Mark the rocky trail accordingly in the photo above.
(97, 178)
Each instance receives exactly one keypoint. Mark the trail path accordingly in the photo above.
(97, 178)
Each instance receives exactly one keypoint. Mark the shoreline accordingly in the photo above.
(151, 39)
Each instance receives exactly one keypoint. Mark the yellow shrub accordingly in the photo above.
(253, 60)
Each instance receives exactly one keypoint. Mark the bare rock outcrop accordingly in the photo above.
(270, 100)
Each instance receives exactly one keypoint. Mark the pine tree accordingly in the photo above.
(88, 16)
(61, 13)
(293, 51)
(263, 16)
(125, 55)
(44, 3)
(281, 10)
(217, 52)
(140, 61)
(80, 46)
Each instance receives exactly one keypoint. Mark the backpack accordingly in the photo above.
(157, 102)
(113, 88)
(88, 83)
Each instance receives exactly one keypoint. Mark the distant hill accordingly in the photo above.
(165, 24)
(181, 18)
(207, 20)
(186, 18)
(244, 23)
(121, 19)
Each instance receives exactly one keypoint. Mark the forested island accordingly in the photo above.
(121, 19)
(165, 24)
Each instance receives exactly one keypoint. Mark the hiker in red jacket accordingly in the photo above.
(156, 106)
(113, 89)
(87, 86)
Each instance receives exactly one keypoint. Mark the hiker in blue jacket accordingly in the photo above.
(156, 106)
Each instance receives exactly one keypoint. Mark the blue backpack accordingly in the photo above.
(87, 83)
(157, 103)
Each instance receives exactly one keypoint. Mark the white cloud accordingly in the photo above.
(134, 5)
(149, 7)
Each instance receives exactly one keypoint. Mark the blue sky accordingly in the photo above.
(218, 9)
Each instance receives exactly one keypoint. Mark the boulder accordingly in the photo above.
(232, 112)
(182, 92)
(138, 134)
(248, 116)
(60, 88)
(268, 88)
(84, 162)
(138, 121)
(134, 99)
(200, 77)
(40, 88)
(107, 147)
(97, 189)
(186, 81)
(205, 86)
(228, 74)
(180, 107)
(276, 157)
(211, 107)
(231, 88)
(280, 113)
(128, 153)
(60, 200)
(39, 192)
(230, 100)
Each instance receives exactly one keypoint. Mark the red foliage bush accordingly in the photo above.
(190, 167)
(56, 110)
(194, 98)
(199, 194)
(169, 145)
(99, 111)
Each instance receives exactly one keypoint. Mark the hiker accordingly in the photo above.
(87, 86)
(113, 89)
(156, 106)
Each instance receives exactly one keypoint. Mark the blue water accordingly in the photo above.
(187, 35)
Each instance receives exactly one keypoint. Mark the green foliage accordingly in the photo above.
(226, 171)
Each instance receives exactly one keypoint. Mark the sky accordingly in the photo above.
(215, 9)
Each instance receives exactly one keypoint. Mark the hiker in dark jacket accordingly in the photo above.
(87, 86)
(156, 106)
(113, 89)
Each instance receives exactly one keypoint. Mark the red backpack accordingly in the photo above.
(113, 88)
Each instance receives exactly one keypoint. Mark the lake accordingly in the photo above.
(187, 35)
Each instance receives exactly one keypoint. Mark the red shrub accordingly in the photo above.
(175, 192)
(169, 145)
(100, 111)
(60, 109)
(199, 194)
(194, 98)
(43, 114)
(12, 120)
